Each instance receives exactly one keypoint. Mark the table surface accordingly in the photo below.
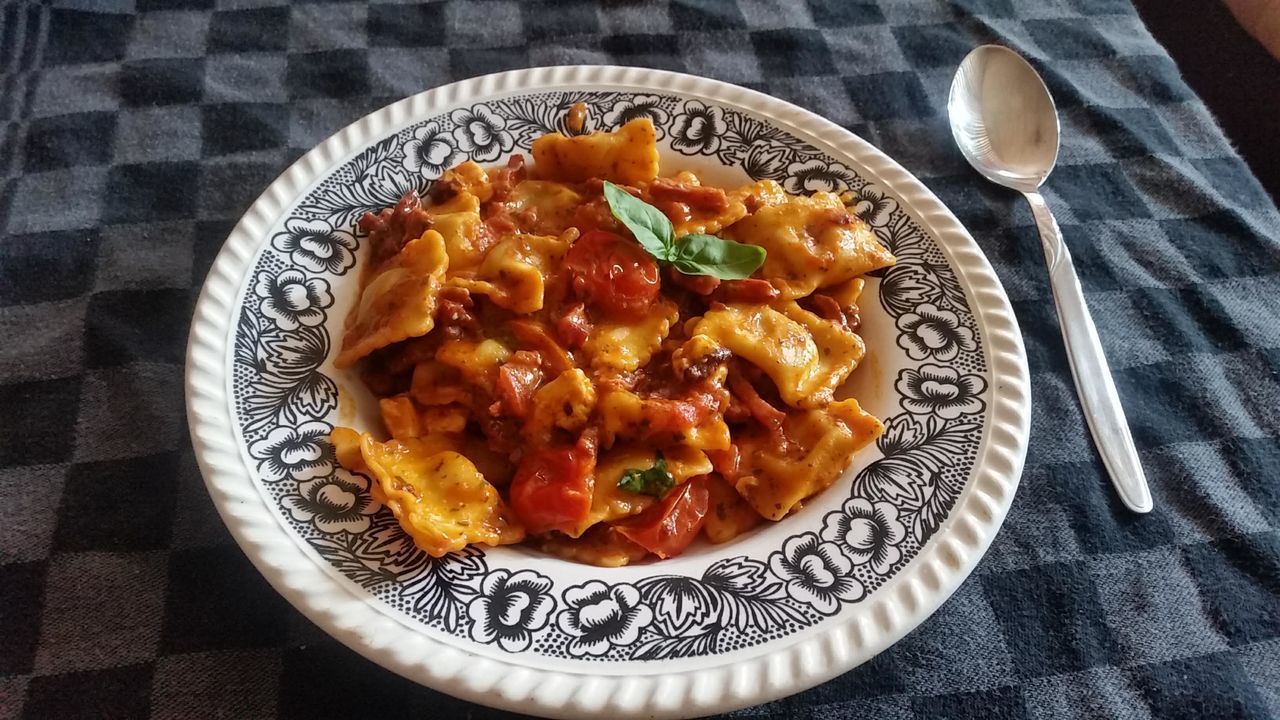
(131, 141)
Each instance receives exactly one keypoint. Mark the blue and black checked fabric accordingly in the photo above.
(133, 133)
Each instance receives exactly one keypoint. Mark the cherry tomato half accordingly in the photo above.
(667, 528)
(615, 273)
(552, 487)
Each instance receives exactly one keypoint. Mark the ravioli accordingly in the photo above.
(628, 345)
(462, 230)
(823, 442)
(806, 357)
(811, 242)
(564, 403)
(545, 208)
(398, 303)
(440, 498)
(476, 362)
(628, 155)
(513, 273)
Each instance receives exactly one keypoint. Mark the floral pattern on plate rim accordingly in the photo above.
(894, 505)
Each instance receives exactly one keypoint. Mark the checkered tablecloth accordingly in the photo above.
(133, 133)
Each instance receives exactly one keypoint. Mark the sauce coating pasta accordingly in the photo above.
(544, 376)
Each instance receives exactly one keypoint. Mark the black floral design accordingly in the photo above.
(298, 453)
(817, 573)
(481, 133)
(316, 246)
(599, 617)
(765, 160)
(942, 390)
(817, 175)
(430, 151)
(682, 606)
(333, 504)
(639, 106)
(874, 206)
(897, 502)
(291, 299)
(510, 608)
(868, 531)
(697, 130)
(930, 332)
(905, 287)
(287, 388)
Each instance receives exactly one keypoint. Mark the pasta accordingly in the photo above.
(541, 376)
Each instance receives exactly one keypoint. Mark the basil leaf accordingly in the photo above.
(652, 229)
(655, 481)
(710, 255)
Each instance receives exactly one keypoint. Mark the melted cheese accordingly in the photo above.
(806, 357)
(399, 302)
(822, 444)
(627, 346)
(628, 155)
(438, 496)
(812, 242)
(610, 502)
(513, 273)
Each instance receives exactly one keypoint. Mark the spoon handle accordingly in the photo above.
(1097, 391)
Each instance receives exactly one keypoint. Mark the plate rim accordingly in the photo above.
(922, 585)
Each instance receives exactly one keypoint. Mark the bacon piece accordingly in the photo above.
(829, 308)
(594, 214)
(555, 359)
(453, 312)
(391, 228)
(697, 284)
(573, 327)
(698, 197)
(518, 379)
(750, 290)
(506, 178)
(726, 462)
(764, 413)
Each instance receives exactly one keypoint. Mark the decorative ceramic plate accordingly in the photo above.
(778, 610)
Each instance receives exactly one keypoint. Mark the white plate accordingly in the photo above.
(721, 627)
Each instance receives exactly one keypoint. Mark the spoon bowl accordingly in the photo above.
(1003, 118)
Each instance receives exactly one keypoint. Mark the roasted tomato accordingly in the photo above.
(667, 528)
(553, 486)
(617, 274)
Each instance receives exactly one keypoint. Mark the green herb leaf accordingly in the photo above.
(655, 481)
(652, 229)
(710, 255)
(691, 254)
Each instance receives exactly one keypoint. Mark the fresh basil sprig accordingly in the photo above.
(693, 254)
(655, 481)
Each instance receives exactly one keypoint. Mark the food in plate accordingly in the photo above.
(586, 356)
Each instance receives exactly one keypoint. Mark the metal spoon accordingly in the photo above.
(1004, 120)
